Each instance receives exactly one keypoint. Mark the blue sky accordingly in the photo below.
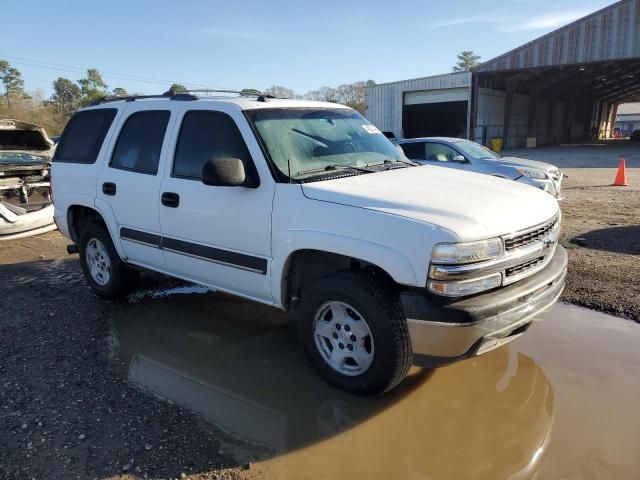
(298, 44)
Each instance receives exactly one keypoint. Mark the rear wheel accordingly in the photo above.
(107, 275)
(354, 333)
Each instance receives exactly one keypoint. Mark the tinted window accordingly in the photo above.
(414, 151)
(439, 153)
(205, 135)
(140, 142)
(83, 136)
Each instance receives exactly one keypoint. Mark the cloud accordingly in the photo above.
(548, 21)
(513, 23)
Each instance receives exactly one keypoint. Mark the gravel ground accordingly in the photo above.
(601, 231)
(67, 411)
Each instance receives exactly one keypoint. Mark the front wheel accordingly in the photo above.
(354, 332)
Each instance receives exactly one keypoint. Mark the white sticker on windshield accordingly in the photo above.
(370, 128)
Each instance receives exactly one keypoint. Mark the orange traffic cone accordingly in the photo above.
(621, 176)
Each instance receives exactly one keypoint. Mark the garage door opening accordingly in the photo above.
(442, 119)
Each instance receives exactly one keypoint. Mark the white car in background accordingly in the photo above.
(26, 207)
(466, 155)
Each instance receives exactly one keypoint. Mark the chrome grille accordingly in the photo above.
(520, 240)
(515, 270)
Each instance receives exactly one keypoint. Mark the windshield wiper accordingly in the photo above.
(330, 168)
(387, 161)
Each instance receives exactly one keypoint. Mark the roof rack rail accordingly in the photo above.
(185, 95)
(261, 97)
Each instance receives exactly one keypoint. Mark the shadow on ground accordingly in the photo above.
(624, 239)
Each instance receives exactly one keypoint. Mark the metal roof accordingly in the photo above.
(609, 34)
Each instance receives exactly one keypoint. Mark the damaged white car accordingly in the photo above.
(26, 207)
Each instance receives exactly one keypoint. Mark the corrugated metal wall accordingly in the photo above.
(611, 33)
(384, 102)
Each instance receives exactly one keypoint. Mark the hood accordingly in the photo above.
(524, 162)
(24, 137)
(471, 205)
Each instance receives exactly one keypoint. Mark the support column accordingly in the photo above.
(548, 134)
(474, 108)
(533, 110)
(508, 101)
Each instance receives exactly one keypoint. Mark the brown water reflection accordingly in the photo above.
(238, 365)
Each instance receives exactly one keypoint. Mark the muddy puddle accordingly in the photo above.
(561, 402)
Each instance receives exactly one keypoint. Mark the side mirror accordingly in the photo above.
(459, 158)
(225, 172)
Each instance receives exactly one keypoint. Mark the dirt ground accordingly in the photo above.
(66, 410)
(601, 231)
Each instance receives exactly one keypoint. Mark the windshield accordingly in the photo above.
(19, 158)
(309, 142)
(476, 150)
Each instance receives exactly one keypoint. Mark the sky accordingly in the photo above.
(144, 46)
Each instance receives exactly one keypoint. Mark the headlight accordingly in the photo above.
(532, 173)
(467, 287)
(460, 253)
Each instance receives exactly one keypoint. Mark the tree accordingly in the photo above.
(467, 61)
(250, 91)
(177, 88)
(66, 95)
(92, 87)
(279, 91)
(119, 92)
(11, 78)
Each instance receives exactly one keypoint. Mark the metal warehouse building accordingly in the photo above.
(562, 87)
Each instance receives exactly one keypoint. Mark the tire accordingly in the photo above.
(111, 277)
(383, 355)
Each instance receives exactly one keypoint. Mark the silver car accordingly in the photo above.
(467, 155)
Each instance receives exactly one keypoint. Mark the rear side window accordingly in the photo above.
(414, 151)
(140, 142)
(205, 135)
(83, 136)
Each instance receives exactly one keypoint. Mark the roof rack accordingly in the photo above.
(261, 97)
(184, 95)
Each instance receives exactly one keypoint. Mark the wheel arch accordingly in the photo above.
(79, 214)
(295, 269)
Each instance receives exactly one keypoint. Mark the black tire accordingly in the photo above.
(380, 308)
(123, 278)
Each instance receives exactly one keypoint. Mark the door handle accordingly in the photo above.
(170, 199)
(109, 188)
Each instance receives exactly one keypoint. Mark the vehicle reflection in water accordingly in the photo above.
(238, 365)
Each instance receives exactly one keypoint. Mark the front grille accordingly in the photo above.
(530, 236)
(517, 269)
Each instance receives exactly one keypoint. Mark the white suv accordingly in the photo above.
(308, 207)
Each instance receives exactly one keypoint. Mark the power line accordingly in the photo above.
(69, 68)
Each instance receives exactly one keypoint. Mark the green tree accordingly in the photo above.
(250, 91)
(93, 87)
(467, 61)
(119, 92)
(12, 80)
(279, 91)
(66, 95)
(177, 88)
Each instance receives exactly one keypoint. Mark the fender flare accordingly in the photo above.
(105, 211)
(393, 262)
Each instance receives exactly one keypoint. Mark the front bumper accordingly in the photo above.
(443, 331)
(32, 223)
(552, 187)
